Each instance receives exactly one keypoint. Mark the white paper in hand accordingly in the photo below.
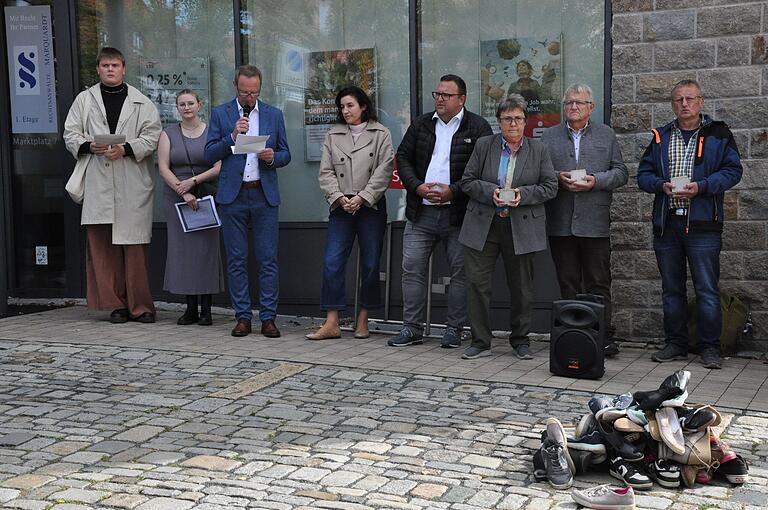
(250, 144)
(107, 139)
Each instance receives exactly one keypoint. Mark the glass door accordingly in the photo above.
(46, 253)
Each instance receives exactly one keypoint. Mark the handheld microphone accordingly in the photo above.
(246, 112)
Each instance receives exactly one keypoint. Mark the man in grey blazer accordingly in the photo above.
(578, 219)
(508, 178)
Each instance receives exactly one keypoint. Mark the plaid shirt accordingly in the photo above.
(681, 158)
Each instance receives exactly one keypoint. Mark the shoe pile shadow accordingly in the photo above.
(640, 438)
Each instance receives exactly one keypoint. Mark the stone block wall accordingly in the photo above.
(724, 45)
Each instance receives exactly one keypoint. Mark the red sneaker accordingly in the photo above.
(721, 452)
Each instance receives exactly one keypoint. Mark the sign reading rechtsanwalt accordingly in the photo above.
(29, 32)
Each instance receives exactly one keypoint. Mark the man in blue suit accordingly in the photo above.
(248, 191)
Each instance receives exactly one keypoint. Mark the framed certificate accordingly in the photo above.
(205, 217)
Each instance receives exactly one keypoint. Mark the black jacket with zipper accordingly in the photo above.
(415, 153)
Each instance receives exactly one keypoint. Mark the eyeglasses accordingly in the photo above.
(578, 104)
(248, 94)
(512, 120)
(443, 95)
(685, 99)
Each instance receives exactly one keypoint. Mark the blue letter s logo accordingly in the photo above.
(26, 70)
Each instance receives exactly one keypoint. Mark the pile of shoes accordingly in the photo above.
(641, 438)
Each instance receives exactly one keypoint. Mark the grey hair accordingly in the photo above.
(685, 83)
(511, 102)
(579, 88)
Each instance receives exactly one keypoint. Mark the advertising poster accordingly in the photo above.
(327, 73)
(529, 66)
(30, 65)
(162, 78)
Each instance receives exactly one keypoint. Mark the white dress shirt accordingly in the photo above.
(251, 172)
(439, 169)
(576, 136)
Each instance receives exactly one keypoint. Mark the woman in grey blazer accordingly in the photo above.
(508, 179)
(355, 170)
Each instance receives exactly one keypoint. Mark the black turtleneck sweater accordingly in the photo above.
(113, 98)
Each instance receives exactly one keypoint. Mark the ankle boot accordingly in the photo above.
(205, 310)
(190, 316)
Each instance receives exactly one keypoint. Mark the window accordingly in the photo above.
(282, 37)
(168, 46)
(533, 47)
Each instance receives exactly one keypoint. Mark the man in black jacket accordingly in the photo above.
(431, 160)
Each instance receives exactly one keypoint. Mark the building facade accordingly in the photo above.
(629, 52)
(724, 47)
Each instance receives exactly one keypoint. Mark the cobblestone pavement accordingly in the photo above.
(88, 426)
(741, 384)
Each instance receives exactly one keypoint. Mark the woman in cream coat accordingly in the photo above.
(355, 171)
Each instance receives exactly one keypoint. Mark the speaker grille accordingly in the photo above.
(576, 352)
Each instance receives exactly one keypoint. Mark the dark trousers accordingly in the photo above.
(368, 226)
(583, 266)
(479, 267)
(700, 252)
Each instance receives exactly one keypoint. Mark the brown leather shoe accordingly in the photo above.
(242, 328)
(269, 330)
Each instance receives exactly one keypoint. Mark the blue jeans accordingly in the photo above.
(251, 204)
(701, 251)
(419, 240)
(368, 225)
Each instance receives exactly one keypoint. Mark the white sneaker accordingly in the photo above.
(605, 497)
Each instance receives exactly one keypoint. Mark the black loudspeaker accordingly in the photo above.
(577, 339)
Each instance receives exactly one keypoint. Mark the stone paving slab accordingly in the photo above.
(327, 436)
(741, 384)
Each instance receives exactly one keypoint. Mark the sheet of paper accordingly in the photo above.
(250, 144)
(206, 215)
(109, 139)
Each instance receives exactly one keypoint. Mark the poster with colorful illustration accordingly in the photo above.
(529, 66)
(327, 73)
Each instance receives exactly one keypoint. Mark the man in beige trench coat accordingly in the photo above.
(117, 201)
